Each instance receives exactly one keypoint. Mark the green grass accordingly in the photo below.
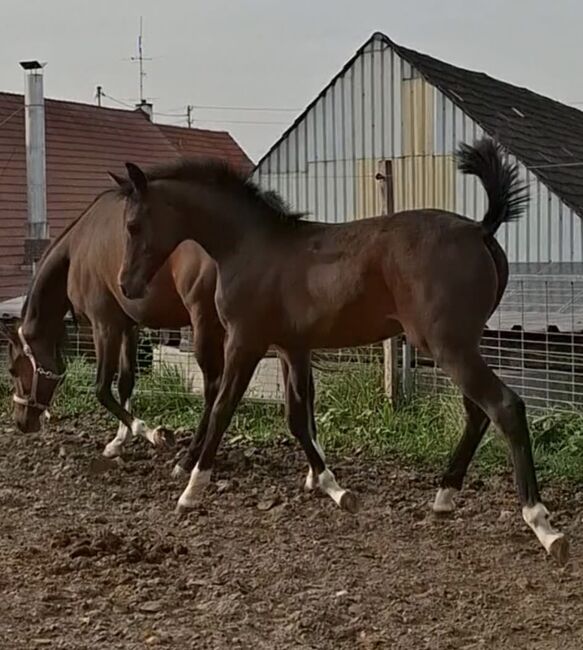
(353, 415)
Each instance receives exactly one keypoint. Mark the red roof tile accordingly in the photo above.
(214, 144)
(83, 143)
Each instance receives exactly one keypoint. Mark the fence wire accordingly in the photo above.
(534, 342)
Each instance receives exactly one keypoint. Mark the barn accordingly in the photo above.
(381, 137)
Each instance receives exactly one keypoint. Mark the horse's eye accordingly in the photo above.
(133, 228)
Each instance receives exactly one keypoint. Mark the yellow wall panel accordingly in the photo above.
(417, 115)
(424, 182)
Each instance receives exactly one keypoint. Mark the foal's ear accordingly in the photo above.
(117, 179)
(137, 178)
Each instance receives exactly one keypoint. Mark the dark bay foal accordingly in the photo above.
(300, 285)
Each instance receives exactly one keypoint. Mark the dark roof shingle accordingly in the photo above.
(545, 135)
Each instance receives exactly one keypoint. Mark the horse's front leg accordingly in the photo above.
(240, 363)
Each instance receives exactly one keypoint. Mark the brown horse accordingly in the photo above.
(79, 273)
(301, 285)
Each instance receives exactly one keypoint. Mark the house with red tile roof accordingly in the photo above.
(83, 143)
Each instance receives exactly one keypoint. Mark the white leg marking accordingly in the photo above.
(311, 482)
(196, 486)
(114, 447)
(537, 517)
(328, 485)
(444, 500)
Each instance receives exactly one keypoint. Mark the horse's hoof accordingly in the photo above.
(164, 437)
(179, 472)
(111, 451)
(349, 502)
(560, 550)
(182, 509)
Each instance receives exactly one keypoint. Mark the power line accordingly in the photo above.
(205, 121)
(117, 101)
(20, 108)
(277, 109)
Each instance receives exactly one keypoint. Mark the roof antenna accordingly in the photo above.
(140, 58)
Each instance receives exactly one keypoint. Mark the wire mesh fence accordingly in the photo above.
(534, 342)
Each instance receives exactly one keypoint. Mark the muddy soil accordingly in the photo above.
(98, 559)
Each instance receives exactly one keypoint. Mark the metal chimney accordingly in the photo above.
(147, 108)
(34, 104)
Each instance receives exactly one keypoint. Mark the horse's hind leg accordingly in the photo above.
(125, 385)
(300, 416)
(507, 411)
(306, 415)
(476, 425)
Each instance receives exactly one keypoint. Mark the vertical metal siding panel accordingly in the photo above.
(555, 231)
(383, 105)
(408, 119)
(365, 127)
(546, 223)
(354, 87)
(520, 225)
(333, 121)
(460, 179)
(345, 131)
(533, 211)
(310, 172)
(396, 131)
(539, 222)
(577, 239)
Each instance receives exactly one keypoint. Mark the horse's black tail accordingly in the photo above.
(507, 194)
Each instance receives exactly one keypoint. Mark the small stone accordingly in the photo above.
(505, 515)
(152, 640)
(151, 606)
(268, 504)
(223, 486)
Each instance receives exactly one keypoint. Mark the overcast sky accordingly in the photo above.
(276, 53)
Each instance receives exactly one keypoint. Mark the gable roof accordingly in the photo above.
(83, 143)
(545, 135)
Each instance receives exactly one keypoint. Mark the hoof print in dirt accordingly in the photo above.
(101, 465)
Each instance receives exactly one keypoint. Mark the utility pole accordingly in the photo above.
(99, 95)
(189, 115)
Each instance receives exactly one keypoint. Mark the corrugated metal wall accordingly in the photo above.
(380, 110)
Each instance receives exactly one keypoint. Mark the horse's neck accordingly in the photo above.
(221, 222)
(47, 301)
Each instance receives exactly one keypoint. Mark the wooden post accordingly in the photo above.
(407, 378)
(391, 347)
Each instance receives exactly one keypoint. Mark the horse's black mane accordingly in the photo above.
(223, 176)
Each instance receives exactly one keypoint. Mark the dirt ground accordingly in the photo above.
(93, 559)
